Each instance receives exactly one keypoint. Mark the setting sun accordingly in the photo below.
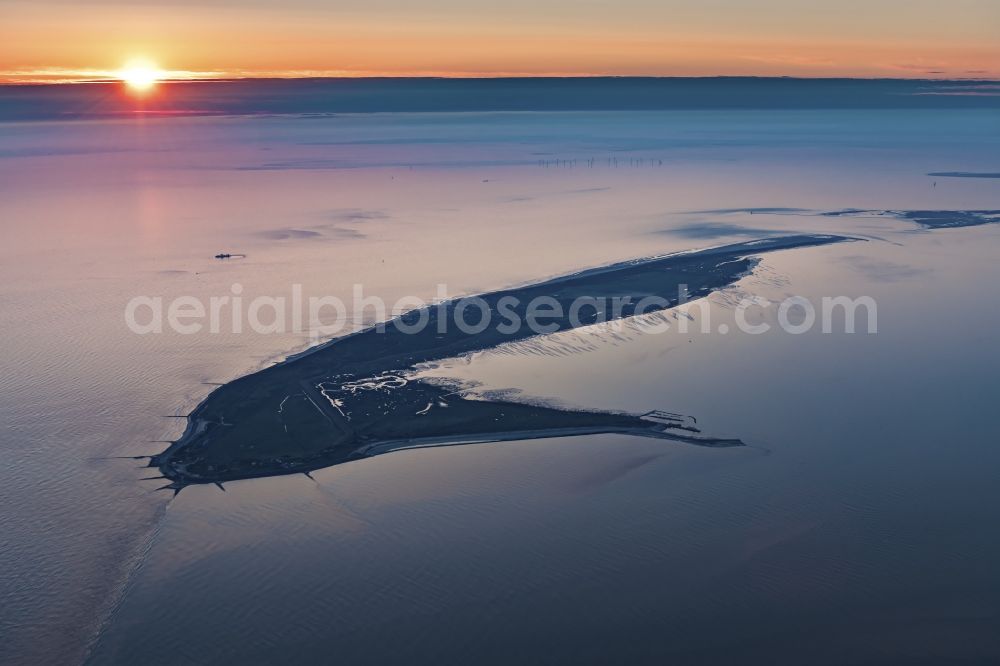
(140, 76)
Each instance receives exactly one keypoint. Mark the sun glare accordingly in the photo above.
(140, 76)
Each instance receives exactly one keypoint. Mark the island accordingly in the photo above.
(355, 397)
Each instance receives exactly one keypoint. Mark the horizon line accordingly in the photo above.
(984, 77)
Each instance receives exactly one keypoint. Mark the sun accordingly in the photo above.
(140, 75)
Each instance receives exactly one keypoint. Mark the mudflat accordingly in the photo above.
(352, 397)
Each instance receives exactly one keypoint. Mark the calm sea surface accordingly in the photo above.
(859, 526)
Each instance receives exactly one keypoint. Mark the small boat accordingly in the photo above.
(223, 255)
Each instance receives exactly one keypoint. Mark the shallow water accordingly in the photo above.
(860, 519)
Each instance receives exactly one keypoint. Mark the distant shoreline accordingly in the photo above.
(319, 96)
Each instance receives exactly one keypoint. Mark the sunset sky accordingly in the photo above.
(71, 40)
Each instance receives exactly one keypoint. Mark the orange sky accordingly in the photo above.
(65, 40)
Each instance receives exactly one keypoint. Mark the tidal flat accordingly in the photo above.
(863, 521)
(350, 398)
